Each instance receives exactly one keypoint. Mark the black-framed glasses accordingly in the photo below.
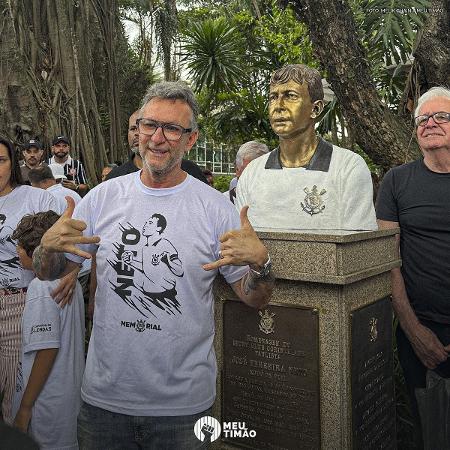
(170, 131)
(438, 117)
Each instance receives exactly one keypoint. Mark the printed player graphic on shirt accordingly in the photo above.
(7, 266)
(147, 267)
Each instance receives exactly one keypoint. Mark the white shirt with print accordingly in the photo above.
(46, 325)
(151, 350)
(20, 201)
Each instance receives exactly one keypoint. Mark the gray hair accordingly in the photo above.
(250, 150)
(434, 92)
(173, 90)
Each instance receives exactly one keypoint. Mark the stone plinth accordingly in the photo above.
(336, 285)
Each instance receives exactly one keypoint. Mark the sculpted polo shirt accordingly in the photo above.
(332, 192)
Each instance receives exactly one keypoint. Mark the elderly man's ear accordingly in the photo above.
(317, 109)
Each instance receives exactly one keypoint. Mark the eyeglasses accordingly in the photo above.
(170, 131)
(438, 117)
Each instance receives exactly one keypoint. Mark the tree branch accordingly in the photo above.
(385, 137)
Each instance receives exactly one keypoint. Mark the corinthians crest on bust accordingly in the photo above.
(267, 323)
(313, 202)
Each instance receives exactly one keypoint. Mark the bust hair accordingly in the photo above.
(300, 74)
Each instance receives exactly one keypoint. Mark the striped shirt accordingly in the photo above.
(73, 170)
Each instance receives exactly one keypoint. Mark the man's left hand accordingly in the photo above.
(241, 247)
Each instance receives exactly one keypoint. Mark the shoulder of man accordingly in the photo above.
(124, 169)
(193, 169)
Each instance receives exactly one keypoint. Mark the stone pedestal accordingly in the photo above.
(312, 370)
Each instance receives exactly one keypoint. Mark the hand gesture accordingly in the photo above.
(66, 233)
(240, 247)
(428, 347)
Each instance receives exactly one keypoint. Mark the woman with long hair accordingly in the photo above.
(16, 200)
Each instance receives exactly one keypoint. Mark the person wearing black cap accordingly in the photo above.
(73, 169)
(32, 158)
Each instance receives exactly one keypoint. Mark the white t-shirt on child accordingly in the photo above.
(45, 325)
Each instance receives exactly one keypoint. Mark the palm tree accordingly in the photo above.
(213, 53)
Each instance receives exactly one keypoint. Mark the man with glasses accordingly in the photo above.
(415, 197)
(135, 162)
(32, 158)
(151, 369)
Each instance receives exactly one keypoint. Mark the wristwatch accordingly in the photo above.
(264, 272)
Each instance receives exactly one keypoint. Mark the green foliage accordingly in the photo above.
(388, 33)
(222, 182)
(230, 56)
(213, 52)
(241, 116)
(285, 38)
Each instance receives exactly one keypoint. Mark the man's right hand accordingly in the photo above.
(66, 233)
(428, 347)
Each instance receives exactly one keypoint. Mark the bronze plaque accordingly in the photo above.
(271, 377)
(372, 377)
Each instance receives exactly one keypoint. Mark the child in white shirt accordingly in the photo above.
(49, 378)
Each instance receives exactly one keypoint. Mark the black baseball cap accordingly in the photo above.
(33, 143)
(59, 139)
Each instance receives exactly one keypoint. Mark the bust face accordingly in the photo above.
(290, 109)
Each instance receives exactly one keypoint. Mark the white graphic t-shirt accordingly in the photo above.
(60, 193)
(45, 325)
(151, 350)
(13, 206)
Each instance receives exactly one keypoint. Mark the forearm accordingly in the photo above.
(256, 292)
(400, 302)
(48, 265)
(51, 265)
(40, 371)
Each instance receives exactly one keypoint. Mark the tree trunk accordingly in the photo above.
(166, 25)
(432, 53)
(107, 14)
(387, 139)
(54, 41)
